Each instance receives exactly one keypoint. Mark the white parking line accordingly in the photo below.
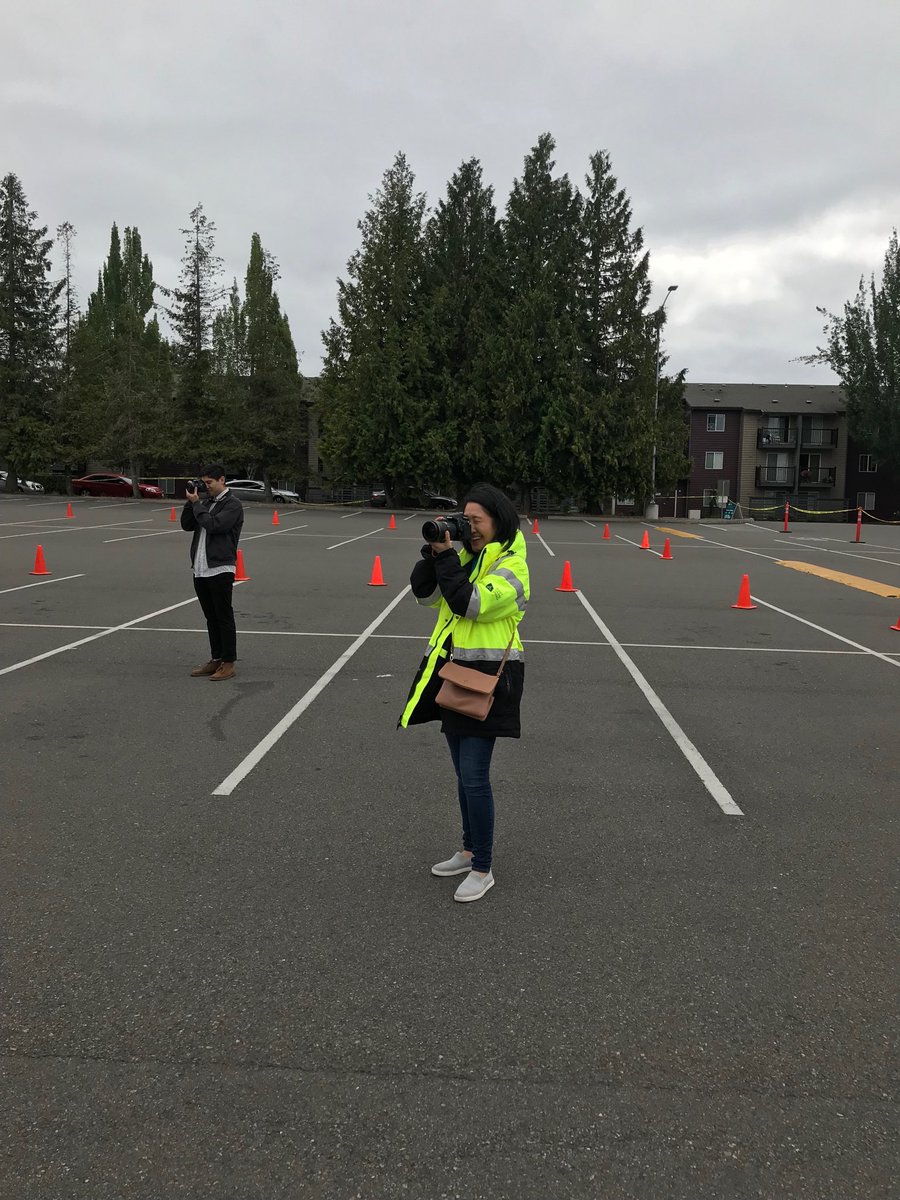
(27, 662)
(353, 514)
(801, 543)
(544, 544)
(132, 536)
(797, 546)
(410, 517)
(252, 537)
(40, 583)
(50, 625)
(829, 632)
(34, 533)
(356, 539)
(243, 769)
(637, 545)
(704, 771)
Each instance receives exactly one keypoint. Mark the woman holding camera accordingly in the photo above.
(480, 593)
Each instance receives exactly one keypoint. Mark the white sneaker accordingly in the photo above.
(474, 887)
(457, 865)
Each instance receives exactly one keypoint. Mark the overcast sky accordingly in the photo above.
(757, 139)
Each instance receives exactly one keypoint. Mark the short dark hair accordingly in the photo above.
(214, 471)
(500, 508)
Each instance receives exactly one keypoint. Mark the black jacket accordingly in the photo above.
(223, 528)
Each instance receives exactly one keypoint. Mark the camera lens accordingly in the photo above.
(433, 531)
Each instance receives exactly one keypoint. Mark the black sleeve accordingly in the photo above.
(423, 580)
(453, 580)
(224, 518)
(188, 520)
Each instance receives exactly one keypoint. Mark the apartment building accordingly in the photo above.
(762, 444)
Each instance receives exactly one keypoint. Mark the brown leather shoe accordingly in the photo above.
(208, 668)
(225, 671)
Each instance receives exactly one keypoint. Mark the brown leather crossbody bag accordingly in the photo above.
(468, 691)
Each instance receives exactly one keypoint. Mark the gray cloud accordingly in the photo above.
(734, 128)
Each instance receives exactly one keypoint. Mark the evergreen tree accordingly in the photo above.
(463, 301)
(193, 309)
(619, 341)
(379, 420)
(121, 367)
(863, 350)
(65, 235)
(29, 342)
(539, 402)
(229, 380)
(65, 407)
(273, 424)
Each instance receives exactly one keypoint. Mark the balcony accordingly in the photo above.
(776, 439)
(823, 477)
(822, 439)
(781, 477)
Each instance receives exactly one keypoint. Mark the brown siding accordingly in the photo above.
(702, 440)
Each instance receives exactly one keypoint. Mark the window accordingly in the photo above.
(865, 500)
(709, 497)
(715, 422)
(715, 460)
(867, 464)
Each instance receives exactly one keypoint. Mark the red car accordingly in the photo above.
(113, 485)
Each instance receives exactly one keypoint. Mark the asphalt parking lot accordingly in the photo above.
(228, 972)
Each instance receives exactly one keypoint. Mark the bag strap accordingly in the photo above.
(506, 654)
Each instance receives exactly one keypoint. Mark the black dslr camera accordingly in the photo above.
(196, 485)
(456, 524)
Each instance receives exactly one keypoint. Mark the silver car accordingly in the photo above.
(255, 489)
(24, 485)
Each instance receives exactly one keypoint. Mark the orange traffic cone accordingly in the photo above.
(275, 520)
(69, 513)
(645, 542)
(606, 533)
(896, 627)
(565, 584)
(667, 551)
(377, 579)
(172, 516)
(534, 528)
(40, 567)
(744, 600)
(240, 575)
(392, 524)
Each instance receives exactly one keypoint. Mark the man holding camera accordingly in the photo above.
(215, 516)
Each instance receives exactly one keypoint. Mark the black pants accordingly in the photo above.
(214, 595)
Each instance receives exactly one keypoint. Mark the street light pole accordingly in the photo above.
(673, 287)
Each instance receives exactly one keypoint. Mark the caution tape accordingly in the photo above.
(822, 512)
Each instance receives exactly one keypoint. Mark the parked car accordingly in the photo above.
(428, 500)
(432, 501)
(255, 489)
(22, 485)
(101, 484)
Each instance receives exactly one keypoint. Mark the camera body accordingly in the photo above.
(456, 524)
(196, 485)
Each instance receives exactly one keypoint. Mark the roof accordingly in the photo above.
(767, 397)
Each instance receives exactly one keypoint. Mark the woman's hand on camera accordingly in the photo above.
(444, 544)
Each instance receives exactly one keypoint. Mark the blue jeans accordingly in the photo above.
(472, 763)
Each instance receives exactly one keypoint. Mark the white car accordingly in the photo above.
(255, 489)
(24, 485)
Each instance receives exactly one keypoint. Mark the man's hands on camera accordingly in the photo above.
(192, 496)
